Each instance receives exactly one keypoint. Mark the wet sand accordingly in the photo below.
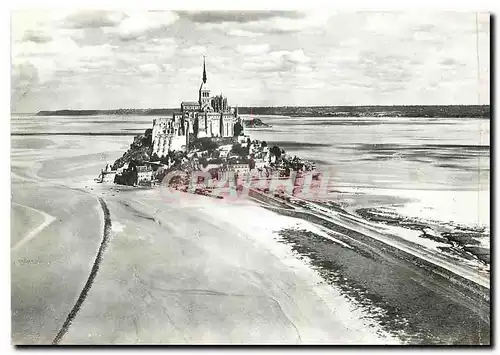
(174, 271)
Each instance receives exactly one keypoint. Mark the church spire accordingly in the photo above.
(204, 72)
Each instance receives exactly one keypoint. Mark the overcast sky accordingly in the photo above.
(105, 60)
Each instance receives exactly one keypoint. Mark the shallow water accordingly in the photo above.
(389, 152)
(441, 164)
(401, 152)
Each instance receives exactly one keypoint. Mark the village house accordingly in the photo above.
(224, 150)
(243, 140)
(120, 171)
(107, 175)
(233, 169)
(144, 175)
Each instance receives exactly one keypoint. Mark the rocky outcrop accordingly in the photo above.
(255, 123)
(140, 151)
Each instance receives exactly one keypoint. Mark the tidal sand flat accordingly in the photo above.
(179, 271)
(51, 267)
(187, 271)
(26, 221)
(423, 179)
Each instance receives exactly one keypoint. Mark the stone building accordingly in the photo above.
(211, 115)
(207, 117)
(233, 170)
(107, 175)
(187, 106)
(170, 134)
(144, 175)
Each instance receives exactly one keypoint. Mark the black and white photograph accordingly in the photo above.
(250, 177)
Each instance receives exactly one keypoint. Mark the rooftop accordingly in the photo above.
(143, 168)
(190, 103)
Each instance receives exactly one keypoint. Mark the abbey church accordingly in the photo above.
(210, 116)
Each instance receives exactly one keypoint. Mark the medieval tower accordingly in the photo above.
(204, 92)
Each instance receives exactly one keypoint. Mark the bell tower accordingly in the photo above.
(204, 93)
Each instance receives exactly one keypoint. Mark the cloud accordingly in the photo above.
(36, 26)
(94, 19)
(154, 68)
(136, 25)
(237, 16)
(243, 33)
(195, 50)
(163, 47)
(253, 49)
(24, 79)
(296, 56)
(126, 25)
(384, 69)
(450, 62)
(311, 19)
(266, 57)
(150, 69)
(24, 75)
(263, 22)
(280, 61)
(62, 53)
(37, 37)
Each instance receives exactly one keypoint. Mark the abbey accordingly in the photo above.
(210, 116)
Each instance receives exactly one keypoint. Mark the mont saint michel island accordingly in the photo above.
(204, 136)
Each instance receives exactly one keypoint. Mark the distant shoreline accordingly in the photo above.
(448, 111)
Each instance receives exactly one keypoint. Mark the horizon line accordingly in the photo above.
(174, 108)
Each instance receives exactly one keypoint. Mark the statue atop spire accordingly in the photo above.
(204, 72)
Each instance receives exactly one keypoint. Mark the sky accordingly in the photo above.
(140, 59)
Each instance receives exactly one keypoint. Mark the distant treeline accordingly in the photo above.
(121, 111)
(482, 111)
